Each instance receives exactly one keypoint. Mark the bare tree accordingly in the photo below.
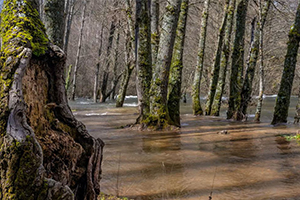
(216, 66)
(175, 80)
(236, 78)
(284, 94)
(143, 57)
(159, 118)
(224, 61)
(254, 53)
(197, 110)
(78, 51)
(129, 56)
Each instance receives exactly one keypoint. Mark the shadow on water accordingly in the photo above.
(254, 161)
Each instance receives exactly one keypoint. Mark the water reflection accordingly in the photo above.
(161, 142)
(252, 162)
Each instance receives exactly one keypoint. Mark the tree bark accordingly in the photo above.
(197, 109)
(236, 78)
(154, 28)
(129, 57)
(78, 51)
(68, 24)
(284, 94)
(45, 152)
(160, 118)
(216, 67)
(143, 57)
(174, 89)
(96, 78)
(251, 65)
(263, 13)
(68, 79)
(54, 20)
(105, 76)
(116, 76)
(224, 61)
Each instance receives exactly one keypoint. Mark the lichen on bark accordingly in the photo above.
(159, 117)
(237, 65)
(217, 61)
(284, 94)
(197, 109)
(175, 78)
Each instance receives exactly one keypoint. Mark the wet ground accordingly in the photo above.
(254, 161)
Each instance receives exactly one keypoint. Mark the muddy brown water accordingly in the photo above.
(253, 162)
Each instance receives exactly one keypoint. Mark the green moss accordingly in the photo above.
(21, 26)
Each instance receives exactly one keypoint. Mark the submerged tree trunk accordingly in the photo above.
(174, 90)
(159, 118)
(284, 94)
(216, 67)
(197, 109)
(251, 65)
(78, 51)
(224, 61)
(143, 57)
(154, 28)
(129, 57)
(45, 152)
(236, 78)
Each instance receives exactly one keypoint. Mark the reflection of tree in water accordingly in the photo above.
(287, 168)
(163, 150)
(161, 142)
(236, 148)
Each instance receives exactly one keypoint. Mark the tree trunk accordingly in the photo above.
(159, 118)
(154, 28)
(224, 61)
(216, 67)
(123, 88)
(96, 78)
(174, 90)
(261, 69)
(70, 14)
(129, 57)
(284, 94)
(197, 110)
(54, 20)
(263, 11)
(68, 79)
(254, 51)
(78, 51)
(103, 94)
(116, 77)
(236, 78)
(45, 152)
(143, 57)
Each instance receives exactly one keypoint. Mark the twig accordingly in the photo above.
(212, 186)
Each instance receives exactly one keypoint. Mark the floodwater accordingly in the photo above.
(253, 162)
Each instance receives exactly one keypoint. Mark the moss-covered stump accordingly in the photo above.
(45, 153)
